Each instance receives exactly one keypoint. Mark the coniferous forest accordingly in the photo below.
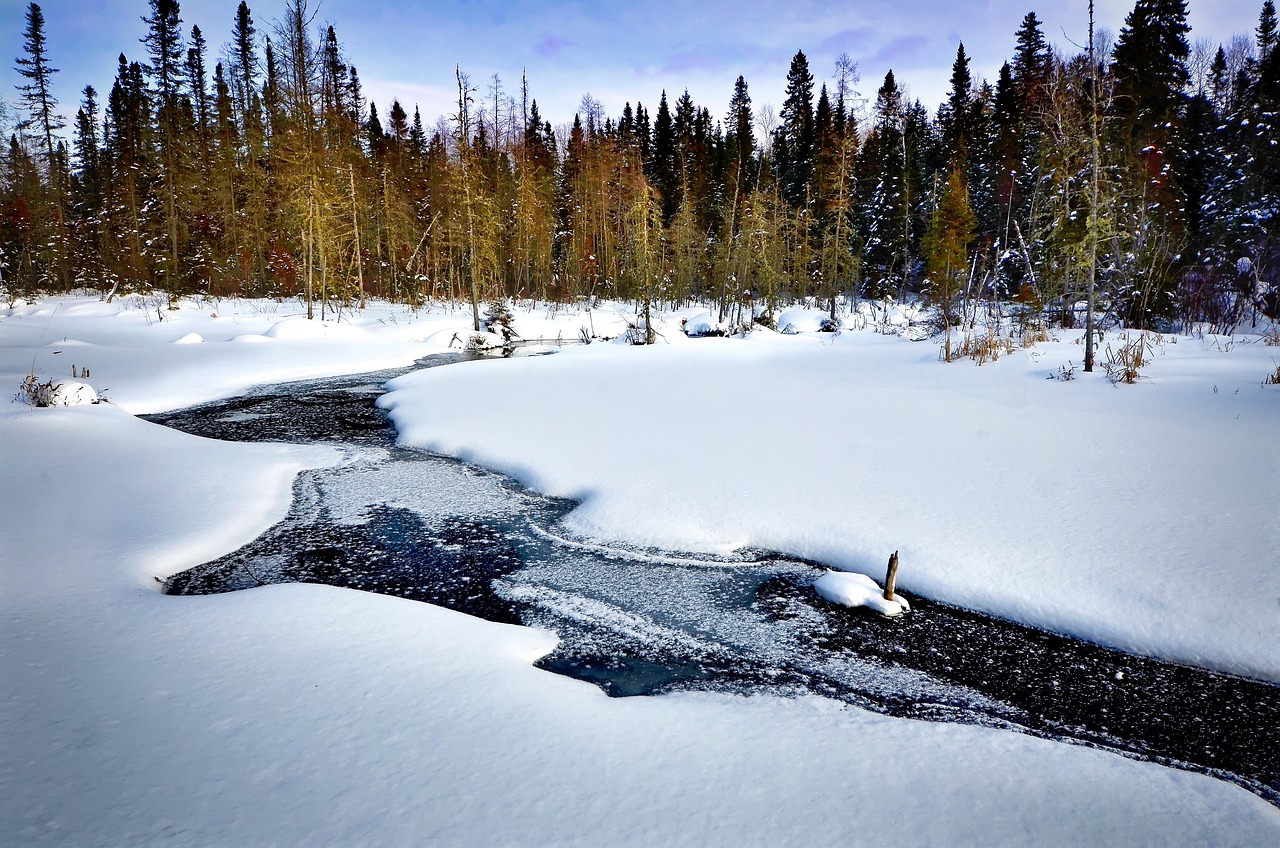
(1145, 171)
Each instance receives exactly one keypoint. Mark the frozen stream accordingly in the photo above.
(638, 621)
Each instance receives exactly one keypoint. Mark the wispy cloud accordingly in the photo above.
(906, 49)
(551, 45)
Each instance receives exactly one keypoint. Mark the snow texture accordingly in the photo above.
(306, 714)
(1141, 517)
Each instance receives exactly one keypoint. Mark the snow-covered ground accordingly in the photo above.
(308, 714)
(1143, 516)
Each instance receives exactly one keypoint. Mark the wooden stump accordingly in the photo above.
(891, 577)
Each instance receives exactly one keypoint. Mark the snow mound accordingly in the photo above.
(190, 338)
(298, 329)
(701, 324)
(914, 333)
(802, 321)
(859, 590)
(66, 393)
(481, 340)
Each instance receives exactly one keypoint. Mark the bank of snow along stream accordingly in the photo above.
(643, 621)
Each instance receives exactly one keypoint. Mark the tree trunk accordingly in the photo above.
(891, 576)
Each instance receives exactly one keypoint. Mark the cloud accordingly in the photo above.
(551, 45)
(902, 50)
(848, 41)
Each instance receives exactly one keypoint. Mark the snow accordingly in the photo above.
(304, 714)
(801, 321)
(1141, 517)
(700, 323)
(859, 590)
(65, 393)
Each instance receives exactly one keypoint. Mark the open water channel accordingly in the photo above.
(642, 622)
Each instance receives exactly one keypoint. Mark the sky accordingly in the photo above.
(615, 51)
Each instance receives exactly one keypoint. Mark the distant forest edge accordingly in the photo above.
(1146, 168)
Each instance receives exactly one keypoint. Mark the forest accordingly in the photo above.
(1141, 175)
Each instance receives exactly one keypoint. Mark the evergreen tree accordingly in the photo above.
(1030, 66)
(164, 45)
(1149, 63)
(741, 133)
(664, 172)
(886, 213)
(1266, 31)
(956, 117)
(793, 146)
(36, 95)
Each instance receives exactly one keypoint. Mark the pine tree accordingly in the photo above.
(244, 60)
(956, 118)
(1150, 62)
(164, 45)
(664, 172)
(741, 137)
(1030, 66)
(886, 213)
(36, 95)
(1266, 31)
(197, 83)
(794, 145)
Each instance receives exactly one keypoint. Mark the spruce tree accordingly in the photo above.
(164, 45)
(664, 172)
(886, 218)
(741, 140)
(1266, 31)
(1150, 62)
(793, 161)
(956, 117)
(36, 95)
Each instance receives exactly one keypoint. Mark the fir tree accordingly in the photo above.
(1149, 61)
(1266, 31)
(956, 117)
(664, 172)
(741, 137)
(793, 158)
(36, 95)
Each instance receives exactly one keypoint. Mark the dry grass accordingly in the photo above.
(1034, 334)
(982, 347)
(1125, 365)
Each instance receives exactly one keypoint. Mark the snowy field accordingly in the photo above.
(1140, 516)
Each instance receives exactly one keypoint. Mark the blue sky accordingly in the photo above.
(616, 51)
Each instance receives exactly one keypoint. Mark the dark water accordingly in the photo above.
(638, 622)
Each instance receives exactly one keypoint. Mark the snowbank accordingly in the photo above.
(1085, 508)
(307, 714)
(301, 328)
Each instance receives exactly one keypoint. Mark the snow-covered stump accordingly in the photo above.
(891, 576)
(858, 590)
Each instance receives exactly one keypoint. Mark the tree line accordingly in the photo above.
(1145, 170)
